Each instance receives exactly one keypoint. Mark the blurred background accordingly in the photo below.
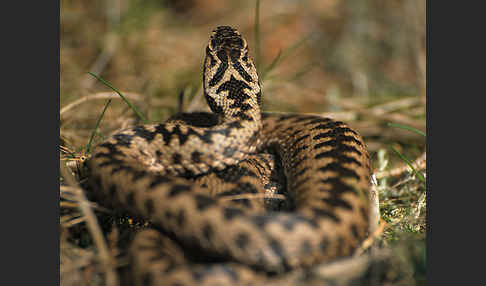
(362, 62)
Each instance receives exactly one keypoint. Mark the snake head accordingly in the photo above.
(227, 42)
(229, 68)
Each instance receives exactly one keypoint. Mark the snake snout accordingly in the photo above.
(227, 39)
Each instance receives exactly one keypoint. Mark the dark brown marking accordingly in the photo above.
(301, 138)
(241, 70)
(178, 189)
(340, 169)
(355, 231)
(181, 218)
(325, 213)
(363, 213)
(203, 202)
(338, 155)
(230, 213)
(159, 180)
(324, 245)
(140, 131)
(196, 157)
(303, 118)
(149, 206)
(318, 120)
(338, 202)
(277, 248)
(168, 215)
(339, 138)
(131, 199)
(147, 279)
(176, 159)
(220, 71)
(306, 247)
(298, 150)
(340, 246)
(123, 139)
(112, 191)
(339, 187)
(297, 162)
(296, 132)
(342, 147)
(229, 151)
(302, 172)
(208, 232)
(137, 175)
(286, 116)
(242, 240)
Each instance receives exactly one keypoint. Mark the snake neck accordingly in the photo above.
(231, 86)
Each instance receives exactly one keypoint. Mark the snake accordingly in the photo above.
(179, 174)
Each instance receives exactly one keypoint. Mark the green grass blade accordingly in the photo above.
(121, 95)
(419, 176)
(256, 34)
(272, 64)
(407, 128)
(88, 148)
(282, 55)
(303, 71)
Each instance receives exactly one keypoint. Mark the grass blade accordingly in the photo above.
(272, 64)
(88, 148)
(256, 34)
(407, 128)
(282, 55)
(119, 93)
(303, 71)
(419, 176)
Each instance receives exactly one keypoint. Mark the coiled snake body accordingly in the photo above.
(158, 172)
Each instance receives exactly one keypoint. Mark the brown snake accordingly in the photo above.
(157, 172)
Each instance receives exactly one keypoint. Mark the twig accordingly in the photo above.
(74, 163)
(93, 227)
(73, 221)
(75, 205)
(374, 218)
(70, 194)
(394, 105)
(384, 112)
(343, 270)
(368, 242)
(66, 218)
(68, 263)
(345, 116)
(418, 164)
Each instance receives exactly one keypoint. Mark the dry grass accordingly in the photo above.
(359, 62)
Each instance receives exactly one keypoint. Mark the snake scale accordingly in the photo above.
(165, 173)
